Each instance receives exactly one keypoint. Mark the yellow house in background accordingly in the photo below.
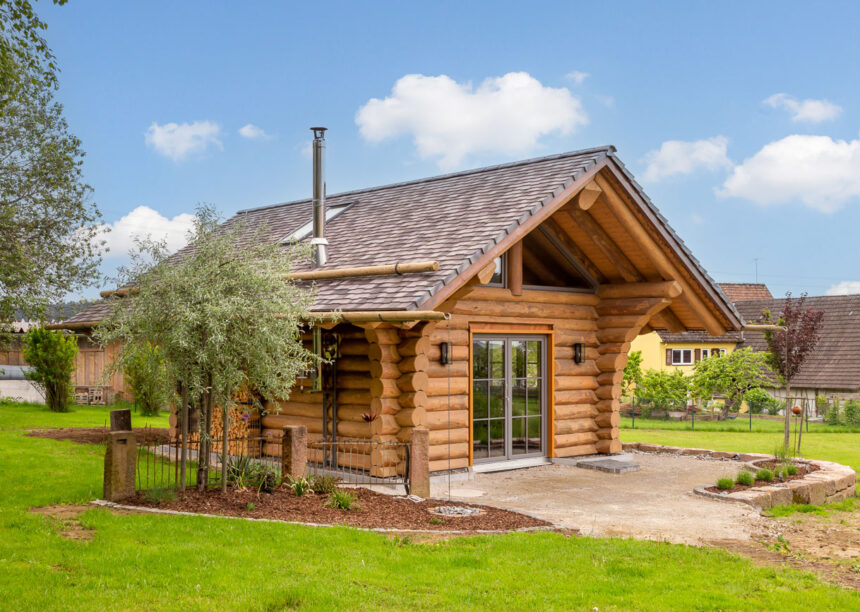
(664, 350)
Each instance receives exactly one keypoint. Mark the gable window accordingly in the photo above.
(682, 356)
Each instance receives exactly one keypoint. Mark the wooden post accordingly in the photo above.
(419, 463)
(183, 395)
(120, 457)
(294, 451)
(515, 268)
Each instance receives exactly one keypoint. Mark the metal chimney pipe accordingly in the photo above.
(319, 241)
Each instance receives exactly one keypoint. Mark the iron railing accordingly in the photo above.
(361, 462)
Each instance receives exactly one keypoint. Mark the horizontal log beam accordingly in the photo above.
(383, 270)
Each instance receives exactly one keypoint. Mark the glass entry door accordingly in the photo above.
(508, 397)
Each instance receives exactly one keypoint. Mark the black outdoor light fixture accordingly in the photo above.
(444, 353)
(578, 349)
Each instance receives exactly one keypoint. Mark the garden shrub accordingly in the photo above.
(51, 354)
(263, 478)
(761, 402)
(764, 475)
(851, 412)
(659, 390)
(324, 485)
(341, 500)
(790, 470)
(832, 417)
(745, 478)
(724, 484)
(147, 378)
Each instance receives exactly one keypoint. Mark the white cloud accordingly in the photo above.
(822, 173)
(577, 76)
(450, 120)
(252, 132)
(143, 221)
(180, 140)
(845, 288)
(607, 101)
(684, 157)
(813, 111)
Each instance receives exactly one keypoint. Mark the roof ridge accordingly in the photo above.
(608, 149)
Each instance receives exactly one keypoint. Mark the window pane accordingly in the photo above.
(497, 359)
(534, 434)
(676, 356)
(479, 441)
(518, 356)
(479, 358)
(688, 356)
(497, 438)
(498, 275)
(518, 437)
(518, 399)
(497, 399)
(480, 399)
(534, 397)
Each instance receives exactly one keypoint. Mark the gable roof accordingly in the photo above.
(835, 363)
(740, 292)
(455, 219)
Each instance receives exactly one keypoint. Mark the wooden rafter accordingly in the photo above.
(607, 246)
(558, 233)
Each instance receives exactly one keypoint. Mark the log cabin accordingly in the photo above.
(493, 307)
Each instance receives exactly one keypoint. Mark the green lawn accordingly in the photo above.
(168, 563)
(838, 444)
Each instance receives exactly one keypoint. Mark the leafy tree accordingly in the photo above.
(51, 354)
(632, 372)
(145, 374)
(789, 349)
(48, 227)
(661, 390)
(731, 375)
(26, 61)
(222, 315)
(852, 413)
(833, 417)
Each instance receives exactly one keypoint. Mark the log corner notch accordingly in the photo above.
(624, 310)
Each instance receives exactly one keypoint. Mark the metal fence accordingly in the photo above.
(361, 462)
(158, 462)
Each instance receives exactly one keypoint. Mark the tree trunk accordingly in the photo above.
(205, 444)
(787, 437)
(225, 448)
(183, 414)
(800, 433)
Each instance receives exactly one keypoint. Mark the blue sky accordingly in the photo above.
(740, 119)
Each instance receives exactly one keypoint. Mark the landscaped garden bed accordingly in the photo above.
(370, 510)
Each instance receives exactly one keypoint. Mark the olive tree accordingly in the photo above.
(730, 375)
(223, 315)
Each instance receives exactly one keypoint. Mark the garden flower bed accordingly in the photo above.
(371, 510)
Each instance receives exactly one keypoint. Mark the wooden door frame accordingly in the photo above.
(518, 329)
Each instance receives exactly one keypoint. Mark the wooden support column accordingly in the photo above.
(634, 311)
(515, 268)
(384, 394)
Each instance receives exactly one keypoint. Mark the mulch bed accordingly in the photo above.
(375, 510)
(802, 470)
(99, 435)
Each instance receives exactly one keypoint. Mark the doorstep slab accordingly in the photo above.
(611, 466)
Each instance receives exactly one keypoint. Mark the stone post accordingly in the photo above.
(120, 420)
(294, 451)
(419, 462)
(119, 465)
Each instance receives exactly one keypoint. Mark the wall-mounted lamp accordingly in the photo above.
(444, 353)
(578, 352)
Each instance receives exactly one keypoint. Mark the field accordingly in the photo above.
(120, 561)
(839, 444)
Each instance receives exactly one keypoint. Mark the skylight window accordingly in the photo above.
(332, 211)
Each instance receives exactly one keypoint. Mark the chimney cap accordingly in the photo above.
(319, 132)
